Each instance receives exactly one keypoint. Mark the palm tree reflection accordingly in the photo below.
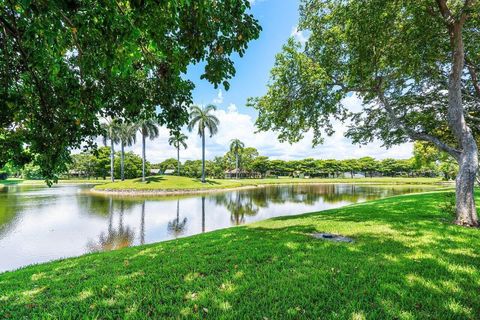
(177, 227)
(239, 204)
(142, 224)
(203, 213)
(115, 238)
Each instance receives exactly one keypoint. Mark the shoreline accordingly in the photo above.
(59, 183)
(173, 192)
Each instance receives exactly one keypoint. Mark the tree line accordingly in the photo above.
(246, 162)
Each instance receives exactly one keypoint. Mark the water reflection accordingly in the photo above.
(239, 204)
(142, 224)
(203, 213)
(115, 238)
(39, 224)
(176, 227)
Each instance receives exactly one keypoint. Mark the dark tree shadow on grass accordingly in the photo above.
(207, 181)
(152, 179)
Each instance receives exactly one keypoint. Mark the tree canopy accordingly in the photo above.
(65, 64)
(413, 64)
(395, 51)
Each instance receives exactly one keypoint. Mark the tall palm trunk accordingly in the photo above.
(178, 160)
(122, 159)
(112, 161)
(236, 165)
(203, 156)
(143, 156)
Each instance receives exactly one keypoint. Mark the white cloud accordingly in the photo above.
(234, 124)
(232, 107)
(219, 98)
(299, 35)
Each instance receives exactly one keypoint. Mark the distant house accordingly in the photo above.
(169, 172)
(154, 171)
(232, 174)
(74, 173)
(298, 174)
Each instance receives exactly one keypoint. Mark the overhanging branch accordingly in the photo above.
(414, 135)
(473, 76)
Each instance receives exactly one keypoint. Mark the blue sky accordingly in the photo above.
(278, 19)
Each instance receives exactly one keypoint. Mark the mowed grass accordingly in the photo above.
(408, 262)
(17, 181)
(176, 183)
(168, 183)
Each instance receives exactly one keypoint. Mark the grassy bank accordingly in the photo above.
(15, 181)
(407, 262)
(175, 183)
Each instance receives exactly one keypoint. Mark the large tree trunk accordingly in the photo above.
(466, 212)
(143, 157)
(122, 159)
(112, 161)
(203, 157)
(465, 182)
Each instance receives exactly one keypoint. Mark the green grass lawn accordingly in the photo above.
(407, 262)
(170, 183)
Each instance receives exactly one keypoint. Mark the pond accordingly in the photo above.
(39, 224)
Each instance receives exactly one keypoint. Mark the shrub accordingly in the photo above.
(32, 172)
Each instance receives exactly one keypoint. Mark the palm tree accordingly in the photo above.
(127, 136)
(236, 146)
(178, 140)
(203, 119)
(110, 132)
(149, 129)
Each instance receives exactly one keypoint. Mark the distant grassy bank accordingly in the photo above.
(407, 262)
(15, 181)
(175, 183)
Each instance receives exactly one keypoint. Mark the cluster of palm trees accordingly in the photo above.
(124, 133)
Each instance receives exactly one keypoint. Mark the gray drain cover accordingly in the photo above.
(332, 237)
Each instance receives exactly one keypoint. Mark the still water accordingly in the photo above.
(39, 224)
